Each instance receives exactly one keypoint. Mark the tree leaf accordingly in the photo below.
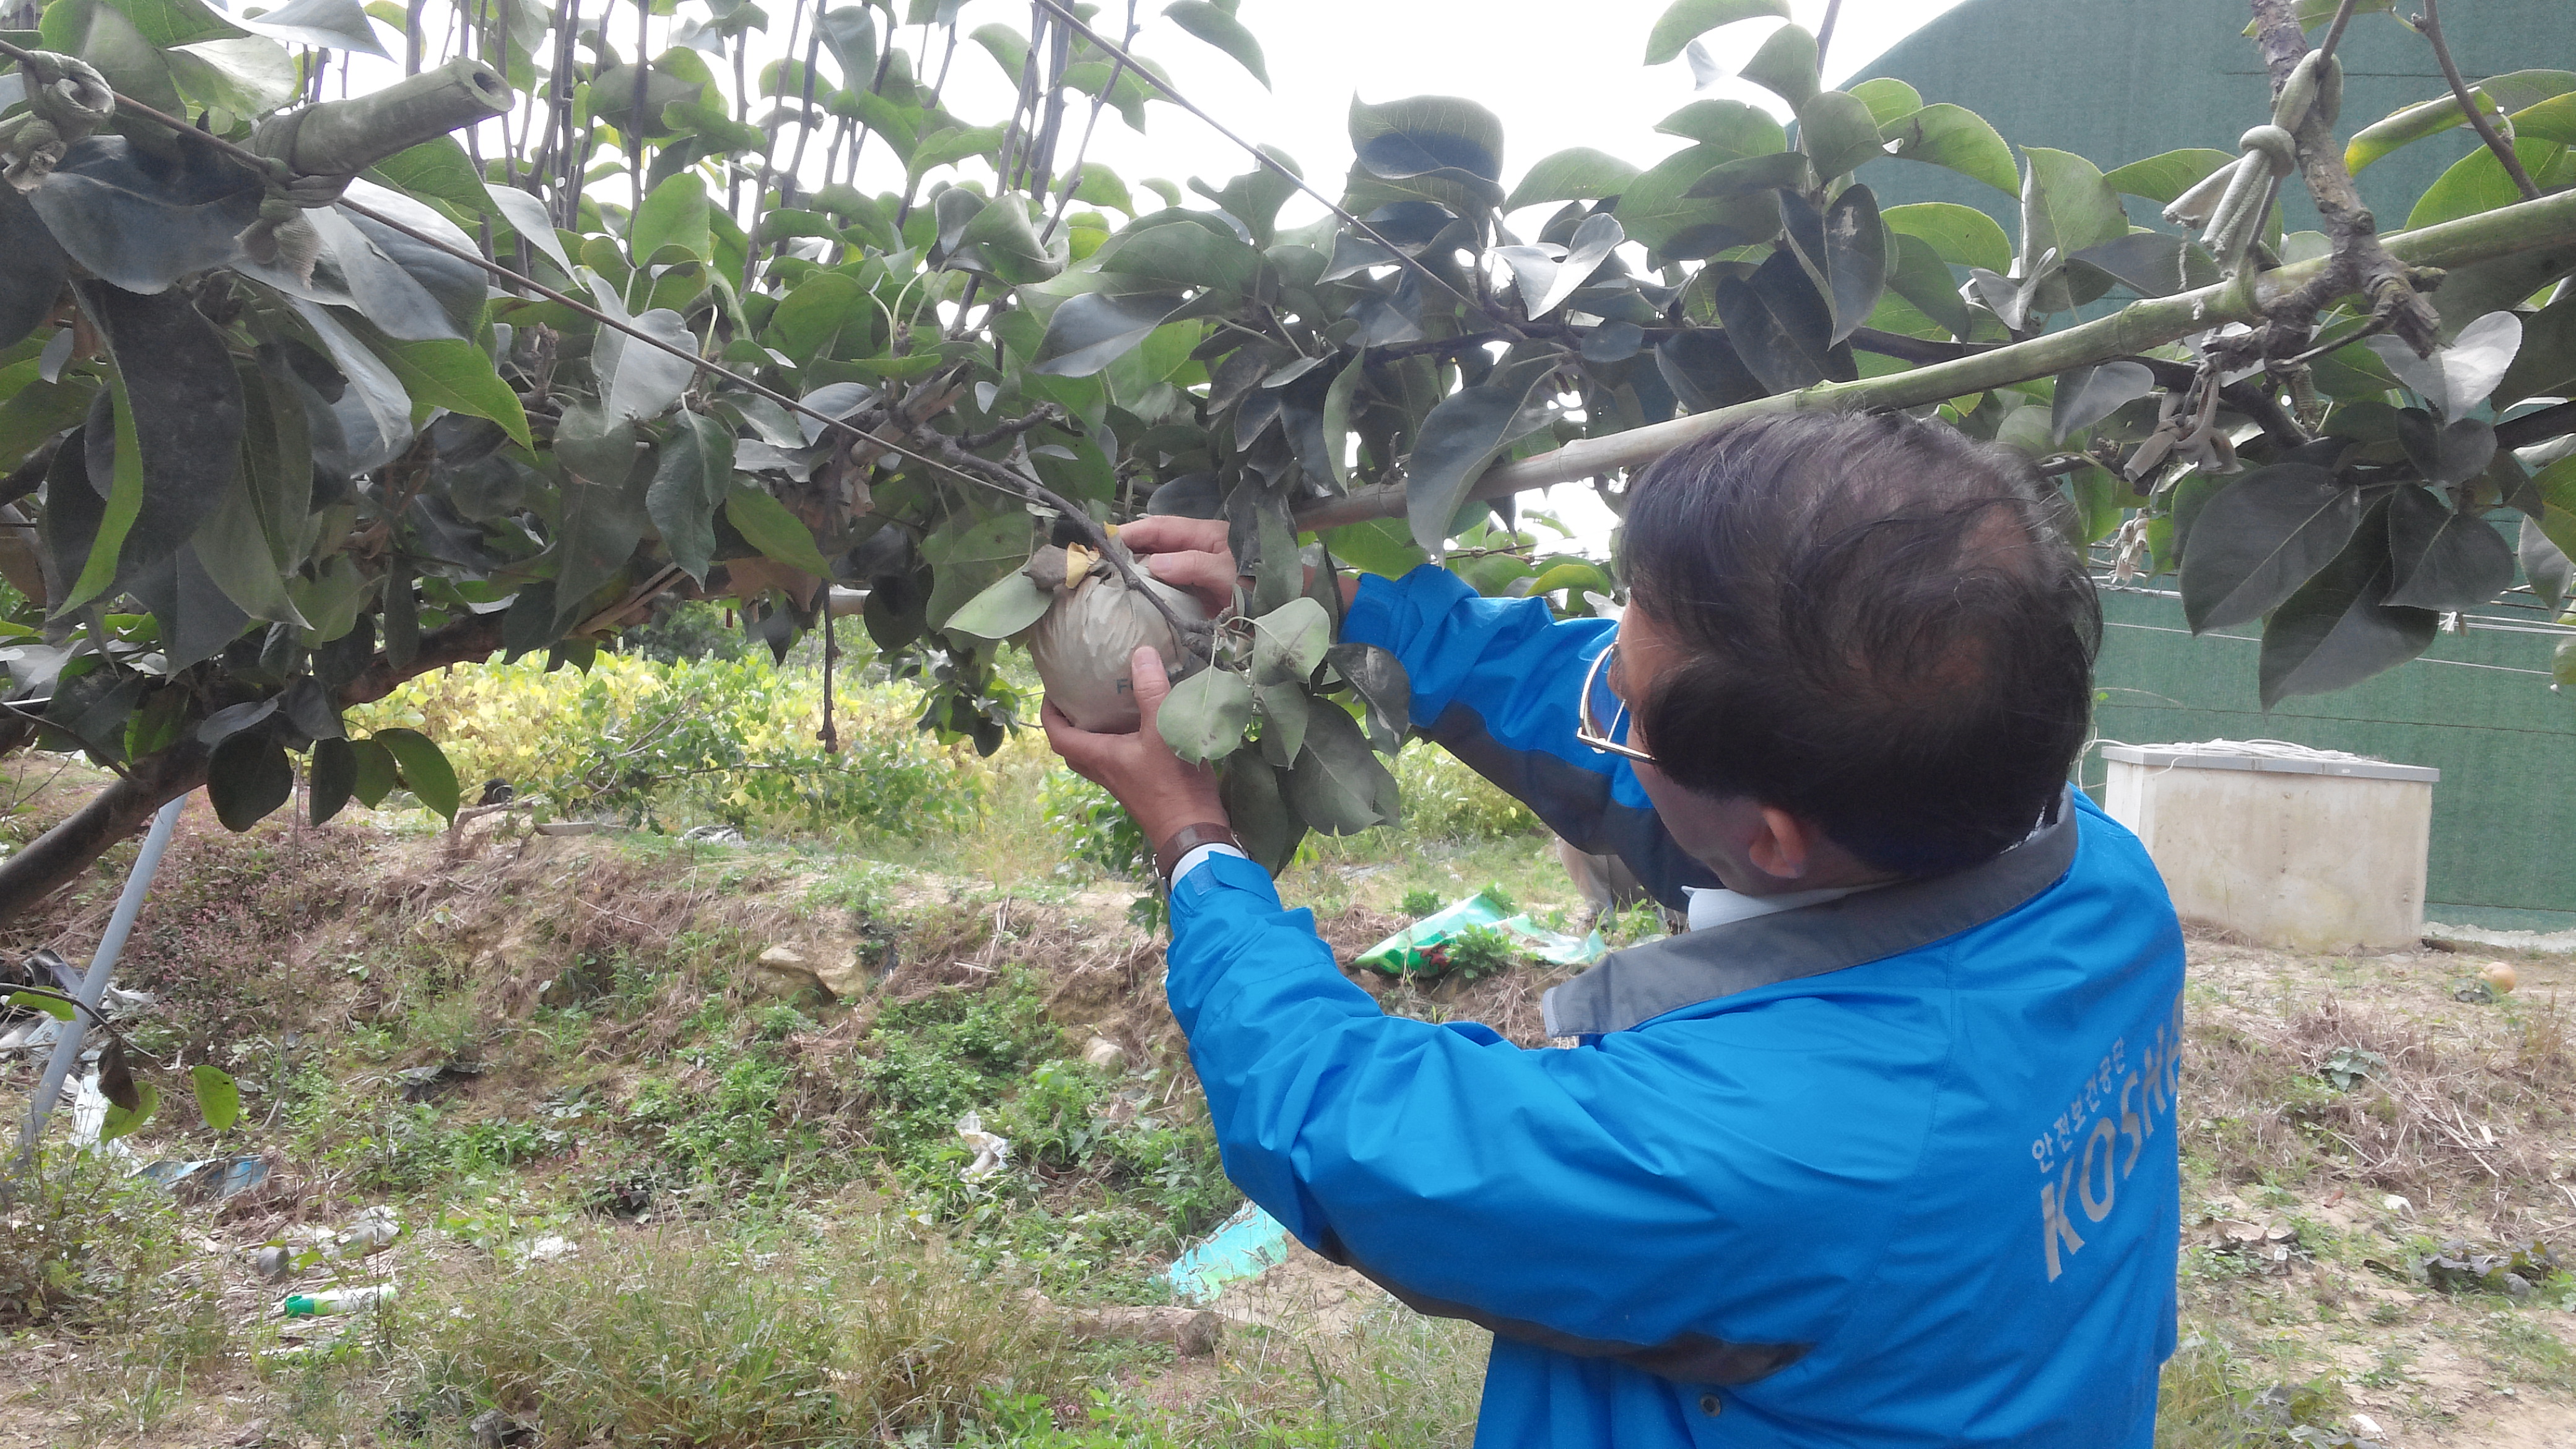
(1248, 786)
(2478, 182)
(1922, 278)
(1837, 132)
(640, 382)
(1731, 127)
(1594, 239)
(331, 777)
(2262, 537)
(1786, 65)
(1094, 329)
(329, 24)
(2065, 204)
(2150, 263)
(1782, 170)
(1338, 785)
(2510, 93)
(1688, 20)
(437, 169)
(1011, 604)
(1182, 253)
(425, 770)
(1457, 439)
(218, 1098)
(2446, 453)
(1379, 679)
(1957, 138)
(849, 32)
(1285, 710)
(2338, 629)
(1780, 327)
(2163, 178)
(966, 556)
(1006, 245)
(1425, 135)
(377, 772)
(1960, 235)
(2087, 395)
(527, 217)
(1206, 714)
(1657, 211)
(33, 281)
(1220, 29)
(1844, 250)
(248, 776)
(674, 214)
(2441, 558)
(1889, 100)
(454, 374)
(1289, 641)
(1578, 173)
(2456, 378)
(123, 1120)
(777, 533)
(177, 407)
(690, 479)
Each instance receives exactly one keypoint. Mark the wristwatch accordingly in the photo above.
(1169, 855)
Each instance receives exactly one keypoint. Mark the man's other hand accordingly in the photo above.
(1163, 793)
(1189, 554)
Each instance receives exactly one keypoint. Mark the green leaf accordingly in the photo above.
(1381, 546)
(2511, 93)
(1002, 238)
(456, 375)
(175, 22)
(1960, 235)
(2477, 182)
(232, 548)
(1248, 786)
(121, 1121)
(1844, 250)
(2338, 629)
(2162, 178)
(124, 499)
(966, 556)
(1468, 430)
(674, 214)
(53, 1006)
(1220, 29)
(329, 24)
(2441, 558)
(1955, 137)
(777, 533)
(1733, 127)
(947, 147)
(1426, 135)
(1094, 329)
(1688, 20)
(1182, 253)
(1289, 641)
(2066, 204)
(1786, 65)
(1921, 277)
(1285, 709)
(1206, 714)
(2260, 539)
(1337, 416)
(1837, 132)
(247, 776)
(690, 480)
(1338, 785)
(2087, 395)
(1011, 604)
(1658, 211)
(218, 1099)
(527, 217)
(424, 767)
(1576, 174)
(377, 772)
(1009, 49)
(330, 778)
(438, 170)
(640, 381)
(1889, 99)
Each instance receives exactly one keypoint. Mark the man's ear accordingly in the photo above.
(1784, 846)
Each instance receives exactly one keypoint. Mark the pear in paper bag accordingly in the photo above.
(1083, 643)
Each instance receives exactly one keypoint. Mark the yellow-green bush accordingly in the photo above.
(678, 744)
(1445, 800)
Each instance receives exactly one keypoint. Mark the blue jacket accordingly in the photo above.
(1922, 1193)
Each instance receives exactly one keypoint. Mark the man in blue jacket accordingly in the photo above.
(1882, 1151)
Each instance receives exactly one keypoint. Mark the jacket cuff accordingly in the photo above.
(1385, 612)
(1220, 871)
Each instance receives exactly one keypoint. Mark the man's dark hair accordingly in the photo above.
(1885, 631)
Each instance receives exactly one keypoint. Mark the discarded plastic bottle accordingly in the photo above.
(336, 1300)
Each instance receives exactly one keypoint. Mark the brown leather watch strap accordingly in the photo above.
(1168, 855)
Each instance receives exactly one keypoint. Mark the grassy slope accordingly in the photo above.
(774, 1245)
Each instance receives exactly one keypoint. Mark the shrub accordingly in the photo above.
(668, 745)
(1090, 825)
(1445, 800)
(83, 1244)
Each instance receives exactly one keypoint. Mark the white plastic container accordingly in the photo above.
(2312, 850)
(335, 1300)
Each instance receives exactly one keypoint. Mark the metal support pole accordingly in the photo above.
(93, 988)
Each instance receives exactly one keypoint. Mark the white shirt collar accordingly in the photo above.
(1718, 906)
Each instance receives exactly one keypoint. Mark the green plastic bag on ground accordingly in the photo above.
(1413, 950)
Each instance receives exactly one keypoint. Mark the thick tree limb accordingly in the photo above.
(2136, 328)
(2359, 262)
(57, 857)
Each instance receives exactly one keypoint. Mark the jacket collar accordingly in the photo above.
(1643, 982)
